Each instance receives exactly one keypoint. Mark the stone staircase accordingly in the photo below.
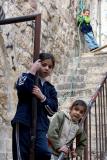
(82, 78)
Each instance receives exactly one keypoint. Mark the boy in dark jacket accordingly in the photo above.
(83, 21)
(47, 105)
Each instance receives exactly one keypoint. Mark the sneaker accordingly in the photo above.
(93, 49)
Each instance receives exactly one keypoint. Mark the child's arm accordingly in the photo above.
(35, 67)
(37, 92)
(80, 20)
(26, 81)
(49, 101)
(55, 131)
(87, 19)
(64, 149)
(81, 142)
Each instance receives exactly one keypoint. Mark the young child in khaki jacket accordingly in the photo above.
(64, 128)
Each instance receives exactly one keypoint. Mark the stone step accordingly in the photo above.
(95, 69)
(93, 58)
(92, 61)
(92, 79)
(65, 93)
(89, 70)
(66, 101)
(78, 80)
(62, 79)
(77, 92)
(79, 74)
(69, 88)
(84, 84)
(82, 80)
(90, 82)
(90, 74)
(84, 92)
(78, 85)
(93, 65)
(63, 86)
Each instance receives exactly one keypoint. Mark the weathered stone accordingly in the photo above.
(59, 35)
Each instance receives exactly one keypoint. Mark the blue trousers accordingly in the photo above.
(21, 144)
(42, 150)
(90, 40)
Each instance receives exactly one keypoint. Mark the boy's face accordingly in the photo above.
(77, 113)
(46, 68)
(87, 13)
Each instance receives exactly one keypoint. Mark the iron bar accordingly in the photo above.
(18, 19)
(37, 36)
(61, 157)
(102, 133)
(93, 98)
(90, 133)
(34, 100)
(99, 124)
(96, 129)
(86, 131)
(104, 118)
(37, 18)
(106, 111)
(98, 121)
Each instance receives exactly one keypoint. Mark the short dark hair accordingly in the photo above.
(84, 10)
(79, 103)
(44, 56)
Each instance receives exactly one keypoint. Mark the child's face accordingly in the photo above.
(77, 113)
(46, 68)
(87, 13)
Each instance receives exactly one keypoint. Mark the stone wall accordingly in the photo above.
(58, 35)
(16, 50)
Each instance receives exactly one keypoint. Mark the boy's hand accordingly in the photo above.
(36, 91)
(64, 149)
(73, 153)
(35, 67)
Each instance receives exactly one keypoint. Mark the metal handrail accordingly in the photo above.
(37, 18)
(18, 19)
(97, 100)
(93, 98)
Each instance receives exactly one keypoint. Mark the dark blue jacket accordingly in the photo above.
(47, 108)
(86, 28)
(83, 22)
